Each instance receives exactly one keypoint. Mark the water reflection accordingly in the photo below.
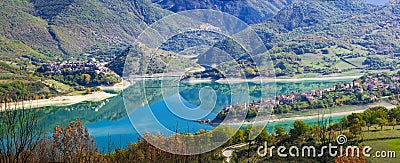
(109, 121)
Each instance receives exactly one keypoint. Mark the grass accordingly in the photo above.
(386, 140)
(313, 60)
(317, 61)
(394, 144)
(338, 50)
(308, 75)
(384, 145)
(343, 65)
(59, 87)
(75, 93)
(357, 61)
(375, 132)
(351, 73)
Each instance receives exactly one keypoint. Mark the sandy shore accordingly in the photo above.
(61, 100)
(274, 119)
(117, 87)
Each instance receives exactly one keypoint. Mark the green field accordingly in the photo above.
(60, 87)
(343, 65)
(338, 50)
(357, 61)
(308, 75)
(386, 140)
(314, 60)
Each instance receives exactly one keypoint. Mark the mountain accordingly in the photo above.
(33, 32)
(332, 37)
(338, 21)
(18, 22)
(72, 27)
(321, 37)
(302, 36)
(249, 11)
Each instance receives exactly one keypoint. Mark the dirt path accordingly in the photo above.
(227, 152)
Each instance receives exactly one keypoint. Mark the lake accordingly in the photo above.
(152, 108)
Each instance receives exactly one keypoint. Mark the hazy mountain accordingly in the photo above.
(250, 11)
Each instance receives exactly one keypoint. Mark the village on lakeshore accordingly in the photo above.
(368, 89)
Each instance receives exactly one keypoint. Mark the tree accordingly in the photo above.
(381, 122)
(394, 113)
(239, 137)
(222, 133)
(280, 131)
(73, 143)
(393, 123)
(19, 132)
(278, 71)
(345, 122)
(300, 129)
(300, 70)
(355, 128)
(367, 116)
(301, 105)
(263, 137)
(85, 79)
(250, 71)
(88, 90)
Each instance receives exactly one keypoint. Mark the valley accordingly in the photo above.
(197, 80)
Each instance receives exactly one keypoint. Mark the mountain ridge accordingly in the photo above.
(77, 29)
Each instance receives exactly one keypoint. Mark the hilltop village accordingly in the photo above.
(90, 73)
(90, 64)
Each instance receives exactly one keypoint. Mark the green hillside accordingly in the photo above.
(19, 23)
(73, 27)
(249, 11)
(342, 33)
(333, 31)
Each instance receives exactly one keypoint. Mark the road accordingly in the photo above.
(227, 152)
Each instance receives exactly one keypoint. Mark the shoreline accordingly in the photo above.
(99, 96)
(270, 80)
(117, 87)
(273, 119)
(59, 101)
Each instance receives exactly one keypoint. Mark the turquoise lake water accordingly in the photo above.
(148, 109)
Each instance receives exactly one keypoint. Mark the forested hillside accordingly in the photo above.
(75, 26)
(317, 37)
(65, 35)
(250, 11)
(333, 37)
